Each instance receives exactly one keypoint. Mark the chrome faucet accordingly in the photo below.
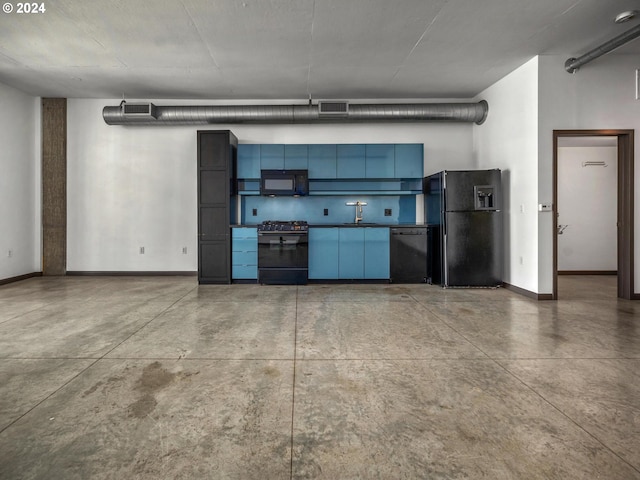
(358, 206)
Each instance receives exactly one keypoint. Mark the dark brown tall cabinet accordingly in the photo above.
(217, 150)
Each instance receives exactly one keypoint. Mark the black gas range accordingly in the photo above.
(283, 252)
(283, 226)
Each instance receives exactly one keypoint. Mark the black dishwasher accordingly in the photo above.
(408, 254)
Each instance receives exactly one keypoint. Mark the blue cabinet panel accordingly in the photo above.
(351, 161)
(245, 232)
(244, 272)
(380, 161)
(376, 253)
(296, 157)
(272, 157)
(409, 160)
(245, 244)
(322, 161)
(248, 161)
(351, 254)
(244, 254)
(244, 257)
(323, 253)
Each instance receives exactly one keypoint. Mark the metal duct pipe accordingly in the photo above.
(223, 114)
(573, 64)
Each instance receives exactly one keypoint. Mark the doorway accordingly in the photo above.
(625, 198)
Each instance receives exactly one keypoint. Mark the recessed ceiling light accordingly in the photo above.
(626, 16)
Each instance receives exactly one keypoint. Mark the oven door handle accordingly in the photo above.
(288, 242)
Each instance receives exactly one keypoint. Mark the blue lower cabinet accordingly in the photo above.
(376, 253)
(244, 253)
(323, 253)
(245, 244)
(245, 257)
(244, 272)
(351, 254)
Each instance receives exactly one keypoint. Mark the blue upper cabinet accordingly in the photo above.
(248, 161)
(337, 169)
(351, 161)
(380, 161)
(296, 157)
(409, 160)
(272, 157)
(322, 161)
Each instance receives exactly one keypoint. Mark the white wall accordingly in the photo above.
(587, 204)
(19, 183)
(136, 186)
(509, 140)
(600, 95)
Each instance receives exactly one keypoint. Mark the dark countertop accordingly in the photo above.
(353, 225)
(365, 224)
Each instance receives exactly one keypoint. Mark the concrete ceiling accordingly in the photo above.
(290, 49)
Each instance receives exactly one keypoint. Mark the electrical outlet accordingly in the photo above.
(326, 212)
(387, 212)
(10, 253)
(141, 250)
(184, 250)
(254, 212)
(522, 208)
(521, 260)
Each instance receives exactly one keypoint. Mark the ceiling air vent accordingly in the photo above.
(139, 110)
(335, 109)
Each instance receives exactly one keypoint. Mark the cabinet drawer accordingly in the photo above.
(244, 272)
(244, 245)
(249, 232)
(244, 258)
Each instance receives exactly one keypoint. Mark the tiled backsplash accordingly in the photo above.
(311, 209)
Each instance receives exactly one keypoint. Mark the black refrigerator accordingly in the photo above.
(464, 218)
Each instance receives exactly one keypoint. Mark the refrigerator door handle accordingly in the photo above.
(445, 264)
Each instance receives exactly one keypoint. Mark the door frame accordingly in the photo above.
(625, 194)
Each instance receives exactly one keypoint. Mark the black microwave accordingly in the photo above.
(284, 182)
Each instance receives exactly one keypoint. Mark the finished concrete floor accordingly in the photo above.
(159, 378)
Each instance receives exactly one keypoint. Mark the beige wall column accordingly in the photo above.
(54, 186)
